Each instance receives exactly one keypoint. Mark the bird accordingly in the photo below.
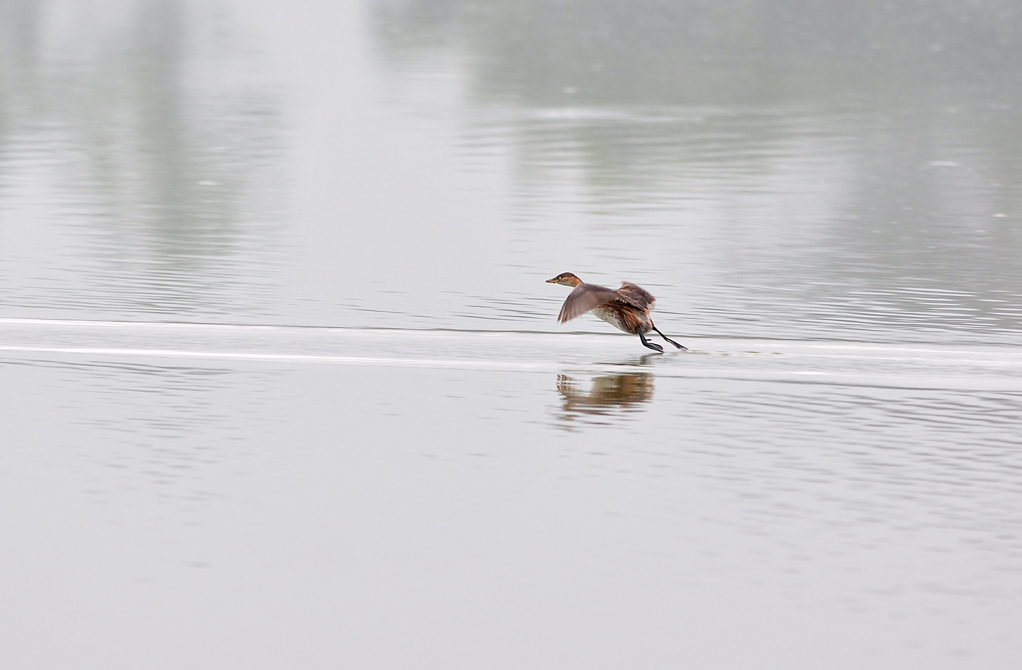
(626, 308)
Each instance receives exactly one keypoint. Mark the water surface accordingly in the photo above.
(283, 384)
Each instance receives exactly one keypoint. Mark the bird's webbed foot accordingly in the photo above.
(650, 345)
(680, 346)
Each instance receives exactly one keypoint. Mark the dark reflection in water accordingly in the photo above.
(737, 51)
(146, 138)
(845, 167)
(608, 396)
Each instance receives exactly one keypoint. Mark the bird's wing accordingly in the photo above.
(634, 295)
(584, 298)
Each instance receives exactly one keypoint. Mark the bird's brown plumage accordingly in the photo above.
(628, 307)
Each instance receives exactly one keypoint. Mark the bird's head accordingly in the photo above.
(565, 279)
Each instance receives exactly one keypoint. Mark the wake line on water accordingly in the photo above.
(283, 327)
(982, 383)
(822, 362)
(273, 357)
(835, 347)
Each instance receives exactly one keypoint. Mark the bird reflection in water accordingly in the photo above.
(608, 396)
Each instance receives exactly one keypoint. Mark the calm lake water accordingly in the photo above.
(283, 385)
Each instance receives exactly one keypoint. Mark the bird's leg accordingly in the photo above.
(667, 338)
(650, 345)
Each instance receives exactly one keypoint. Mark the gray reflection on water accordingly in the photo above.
(737, 51)
(759, 52)
(135, 149)
(609, 398)
(846, 167)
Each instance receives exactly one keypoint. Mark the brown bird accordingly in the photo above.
(626, 309)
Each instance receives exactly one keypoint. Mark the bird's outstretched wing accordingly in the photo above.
(584, 298)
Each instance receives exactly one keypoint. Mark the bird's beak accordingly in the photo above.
(552, 281)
